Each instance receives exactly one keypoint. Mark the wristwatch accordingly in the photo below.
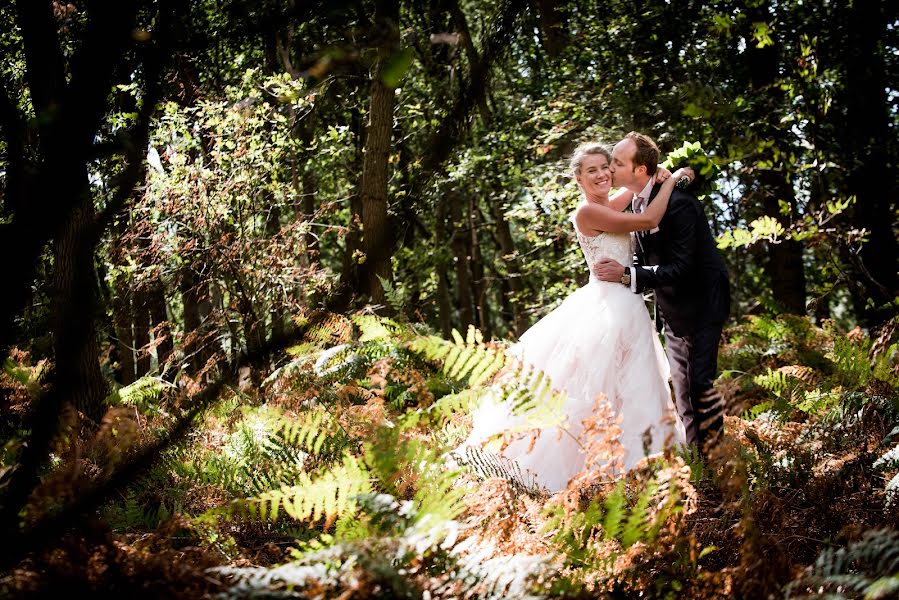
(626, 277)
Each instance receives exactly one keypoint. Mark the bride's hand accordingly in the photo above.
(662, 174)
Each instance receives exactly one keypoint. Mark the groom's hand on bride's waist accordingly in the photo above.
(607, 269)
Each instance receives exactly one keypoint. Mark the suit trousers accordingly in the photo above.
(694, 363)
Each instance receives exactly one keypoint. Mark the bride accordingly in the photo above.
(600, 340)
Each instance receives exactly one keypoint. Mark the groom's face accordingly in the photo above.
(622, 167)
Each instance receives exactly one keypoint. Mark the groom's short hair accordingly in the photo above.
(646, 154)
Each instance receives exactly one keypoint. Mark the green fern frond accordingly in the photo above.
(850, 360)
(640, 526)
(311, 430)
(375, 328)
(143, 394)
(326, 496)
(29, 377)
(393, 456)
(464, 359)
(583, 536)
(444, 409)
(755, 411)
(861, 569)
(773, 381)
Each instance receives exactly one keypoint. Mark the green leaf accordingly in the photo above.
(395, 67)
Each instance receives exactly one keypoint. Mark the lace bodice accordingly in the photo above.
(617, 246)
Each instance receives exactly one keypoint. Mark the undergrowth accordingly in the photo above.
(335, 478)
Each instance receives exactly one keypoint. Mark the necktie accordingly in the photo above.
(639, 206)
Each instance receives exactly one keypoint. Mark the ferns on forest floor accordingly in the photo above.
(352, 434)
(867, 568)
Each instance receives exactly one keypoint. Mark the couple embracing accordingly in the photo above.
(601, 339)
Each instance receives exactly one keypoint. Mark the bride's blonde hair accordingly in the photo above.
(582, 151)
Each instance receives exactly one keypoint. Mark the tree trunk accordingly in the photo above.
(142, 327)
(444, 306)
(74, 304)
(784, 264)
(459, 244)
(160, 327)
(513, 274)
(376, 238)
(195, 298)
(474, 59)
(276, 310)
(479, 281)
(123, 319)
(552, 27)
(869, 144)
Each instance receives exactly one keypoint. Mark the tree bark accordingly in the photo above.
(870, 145)
(474, 58)
(510, 260)
(74, 306)
(123, 320)
(376, 238)
(552, 27)
(479, 281)
(157, 316)
(784, 266)
(460, 245)
(444, 305)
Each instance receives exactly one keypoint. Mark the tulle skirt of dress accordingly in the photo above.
(599, 340)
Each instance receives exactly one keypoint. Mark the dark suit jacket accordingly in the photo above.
(682, 263)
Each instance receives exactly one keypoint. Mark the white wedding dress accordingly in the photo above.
(599, 340)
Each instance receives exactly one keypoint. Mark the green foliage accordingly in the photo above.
(29, 376)
(268, 449)
(592, 538)
(326, 496)
(867, 568)
(135, 513)
(144, 394)
(467, 359)
(707, 171)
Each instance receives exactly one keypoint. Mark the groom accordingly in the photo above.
(679, 259)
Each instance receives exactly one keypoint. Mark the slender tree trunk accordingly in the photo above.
(479, 280)
(303, 182)
(784, 260)
(122, 318)
(444, 305)
(460, 245)
(122, 306)
(552, 27)
(277, 308)
(351, 280)
(376, 237)
(142, 328)
(870, 145)
(474, 59)
(160, 327)
(784, 265)
(195, 298)
(513, 273)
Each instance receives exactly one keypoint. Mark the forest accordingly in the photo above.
(265, 258)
